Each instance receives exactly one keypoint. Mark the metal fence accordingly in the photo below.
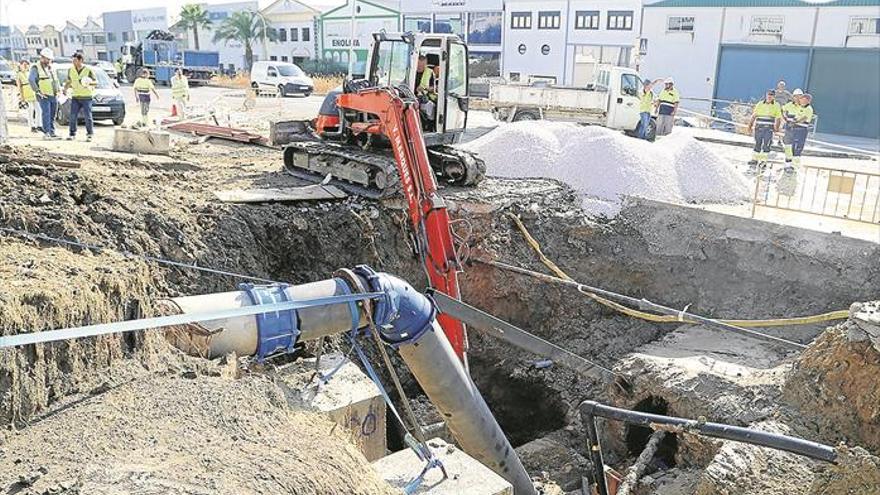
(827, 192)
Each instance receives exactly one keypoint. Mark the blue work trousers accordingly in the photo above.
(84, 105)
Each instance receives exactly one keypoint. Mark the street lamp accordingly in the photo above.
(265, 42)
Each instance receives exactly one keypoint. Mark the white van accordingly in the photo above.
(283, 77)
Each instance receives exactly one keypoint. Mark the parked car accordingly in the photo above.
(107, 103)
(107, 67)
(283, 77)
(7, 73)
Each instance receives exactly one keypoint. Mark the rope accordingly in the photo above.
(128, 254)
(681, 317)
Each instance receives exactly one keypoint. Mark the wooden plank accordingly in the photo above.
(316, 192)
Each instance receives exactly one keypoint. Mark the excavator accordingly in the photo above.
(345, 144)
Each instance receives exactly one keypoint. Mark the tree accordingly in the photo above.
(246, 27)
(194, 16)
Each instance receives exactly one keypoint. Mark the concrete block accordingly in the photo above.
(466, 475)
(350, 399)
(141, 141)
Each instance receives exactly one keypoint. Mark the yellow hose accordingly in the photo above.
(635, 313)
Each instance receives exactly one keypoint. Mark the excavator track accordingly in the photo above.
(373, 173)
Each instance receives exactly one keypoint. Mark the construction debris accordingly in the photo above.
(141, 141)
(314, 192)
(220, 132)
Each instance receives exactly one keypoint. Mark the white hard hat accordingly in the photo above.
(669, 80)
(47, 52)
(797, 92)
(86, 81)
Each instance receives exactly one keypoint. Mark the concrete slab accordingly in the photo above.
(350, 399)
(141, 141)
(466, 475)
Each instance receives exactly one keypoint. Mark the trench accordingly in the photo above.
(636, 437)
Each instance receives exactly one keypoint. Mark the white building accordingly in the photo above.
(71, 39)
(294, 25)
(371, 16)
(716, 49)
(231, 52)
(478, 22)
(94, 41)
(561, 41)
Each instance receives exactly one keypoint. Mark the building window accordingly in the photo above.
(294, 34)
(484, 28)
(449, 24)
(273, 58)
(549, 20)
(417, 24)
(284, 58)
(55, 42)
(514, 77)
(99, 39)
(520, 20)
(620, 20)
(766, 24)
(307, 35)
(111, 37)
(586, 19)
(864, 25)
(126, 36)
(282, 34)
(676, 24)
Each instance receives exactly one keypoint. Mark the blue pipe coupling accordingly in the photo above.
(402, 314)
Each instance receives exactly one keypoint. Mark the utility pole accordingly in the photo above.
(351, 38)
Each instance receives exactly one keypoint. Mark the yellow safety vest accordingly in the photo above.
(142, 86)
(767, 113)
(668, 99)
(646, 103)
(45, 80)
(27, 92)
(804, 116)
(425, 82)
(80, 90)
(790, 110)
(179, 87)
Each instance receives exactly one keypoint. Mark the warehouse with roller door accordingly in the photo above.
(734, 50)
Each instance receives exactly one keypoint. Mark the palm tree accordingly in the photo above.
(193, 16)
(246, 27)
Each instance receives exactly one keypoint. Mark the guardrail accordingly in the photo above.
(590, 410)
(822, 191)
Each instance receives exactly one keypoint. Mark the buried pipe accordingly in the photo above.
(406, 320)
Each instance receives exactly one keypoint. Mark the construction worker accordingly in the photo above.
(29, 96)
(646, 107)
(81, 81)
(766, 117)
(796, 129)
(180, 92)
(667, 106)
(43, 81)
(426, 91)
(780, 94)
(120, 68)
(424, 77)
(143, 86)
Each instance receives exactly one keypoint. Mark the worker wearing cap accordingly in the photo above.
(45, 85)
(143, 86)
(780, 94)
(766, 117)
(797, 127)
(81, 82)
(667, 106)
(646, 107)
(180, 92)
(29, 96)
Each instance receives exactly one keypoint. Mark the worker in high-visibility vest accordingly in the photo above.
(143, 87)
(180, 92)
(798, 120)
(44, 82)
(667, 107)
(29, 96)
(646, 107)
(81, 82)
(426, 91)
(120, 68)
(766, 117)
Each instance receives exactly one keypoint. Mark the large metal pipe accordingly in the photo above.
(220, 337)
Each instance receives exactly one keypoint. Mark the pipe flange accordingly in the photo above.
(356, 285)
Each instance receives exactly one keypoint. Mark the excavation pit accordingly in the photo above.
(637, 437)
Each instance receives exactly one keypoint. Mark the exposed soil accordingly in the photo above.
(211, 423)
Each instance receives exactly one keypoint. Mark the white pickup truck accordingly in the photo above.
(612, 101)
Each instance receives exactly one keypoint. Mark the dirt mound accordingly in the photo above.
(188, 434)
(604, 165)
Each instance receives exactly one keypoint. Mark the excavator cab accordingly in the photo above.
(398, 59)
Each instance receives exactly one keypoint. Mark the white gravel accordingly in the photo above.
(605, 166)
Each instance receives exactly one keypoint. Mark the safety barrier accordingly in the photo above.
(822, 191)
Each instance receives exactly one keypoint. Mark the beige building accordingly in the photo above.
(294, 24)
(52, 39)
(94, 41)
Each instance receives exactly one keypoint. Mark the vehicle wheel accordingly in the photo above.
(281, 93)
(118, 120)
(526, 115)
(652, 131)
(306, 95)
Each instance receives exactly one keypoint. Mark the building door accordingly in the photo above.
(844, 82)
(745, 73)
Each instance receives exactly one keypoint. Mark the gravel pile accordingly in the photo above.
(605, 166)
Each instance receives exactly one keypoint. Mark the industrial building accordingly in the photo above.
(562, 41)
(733, 50)
(231, 51)
(126, 26)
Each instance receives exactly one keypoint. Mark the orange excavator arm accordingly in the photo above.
(398, 120)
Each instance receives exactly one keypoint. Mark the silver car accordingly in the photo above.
(7, 73)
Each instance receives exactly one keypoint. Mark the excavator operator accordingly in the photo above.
(426, 91)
